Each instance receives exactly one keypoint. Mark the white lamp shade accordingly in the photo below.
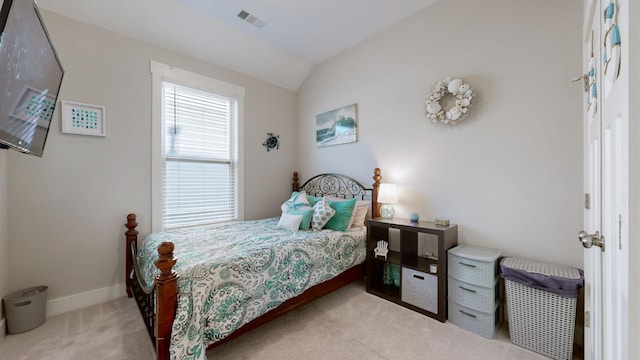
(388, 194)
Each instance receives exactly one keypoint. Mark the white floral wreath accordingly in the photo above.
(456, 87)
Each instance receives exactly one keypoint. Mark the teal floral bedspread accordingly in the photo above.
(232, 273)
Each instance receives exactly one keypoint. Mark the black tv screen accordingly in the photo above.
(30, 77)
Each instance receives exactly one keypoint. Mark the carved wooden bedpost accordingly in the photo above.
(295, 185)
(375, 211)
(166, 298)
(132, 237)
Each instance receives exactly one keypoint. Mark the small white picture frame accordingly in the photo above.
(84, 119)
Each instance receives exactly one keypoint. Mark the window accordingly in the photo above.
(199, 163)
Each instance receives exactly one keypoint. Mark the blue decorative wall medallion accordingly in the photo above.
(271, 142)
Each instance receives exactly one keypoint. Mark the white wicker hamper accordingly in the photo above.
(539, 319)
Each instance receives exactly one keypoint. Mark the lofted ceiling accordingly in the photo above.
(295, 34)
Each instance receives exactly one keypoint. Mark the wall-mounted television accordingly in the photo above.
(30, 77)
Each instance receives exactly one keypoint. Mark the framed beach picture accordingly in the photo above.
(339, 126)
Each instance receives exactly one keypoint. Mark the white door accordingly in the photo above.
(606, 179)
(615, 175)
(593, 334)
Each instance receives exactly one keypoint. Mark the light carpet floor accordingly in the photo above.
(346, 324)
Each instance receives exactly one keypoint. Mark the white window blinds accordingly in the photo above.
(200, 166)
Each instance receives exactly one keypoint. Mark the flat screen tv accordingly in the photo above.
(30, 77)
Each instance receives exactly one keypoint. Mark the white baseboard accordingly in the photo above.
(78, 301)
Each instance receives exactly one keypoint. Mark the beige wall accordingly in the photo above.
(511, 173)
(67, 209)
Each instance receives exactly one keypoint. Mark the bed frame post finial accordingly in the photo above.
(375, 211)
(166, 297)
(132, 237)
(165, 263)
(295, 185)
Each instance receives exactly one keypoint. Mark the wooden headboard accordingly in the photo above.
(342, 186)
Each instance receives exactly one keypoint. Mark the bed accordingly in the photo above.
(191, 303)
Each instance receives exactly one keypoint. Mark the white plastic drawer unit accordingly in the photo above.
(473, 289)
(420, 289)
(485, 324)
(476, 297)
(474, 265)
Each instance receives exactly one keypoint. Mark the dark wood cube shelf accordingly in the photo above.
(420, 288)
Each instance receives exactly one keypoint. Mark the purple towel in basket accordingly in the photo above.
(556, 279)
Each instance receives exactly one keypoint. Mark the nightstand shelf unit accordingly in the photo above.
(423, 281)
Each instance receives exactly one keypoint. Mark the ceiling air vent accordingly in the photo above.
(251, 19)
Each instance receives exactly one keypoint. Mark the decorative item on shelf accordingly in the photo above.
(442, 222)
(433, 268)
(382, 249)
(271, 142)
(456, 87)
(387, 194)
(414, 217)
(430, 255)
(391, 274)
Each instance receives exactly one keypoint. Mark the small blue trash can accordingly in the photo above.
(26, 309)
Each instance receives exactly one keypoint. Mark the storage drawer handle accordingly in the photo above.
(418, 277)
(465, 264)
(467, 289)
(466, 313)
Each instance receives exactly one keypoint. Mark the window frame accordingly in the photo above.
(159, 73)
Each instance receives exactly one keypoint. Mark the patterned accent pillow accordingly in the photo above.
(289, 222)
(298, 200)
(322, 213)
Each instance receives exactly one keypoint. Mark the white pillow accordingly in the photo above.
(322, 213)
(289, 222)
(359, 212)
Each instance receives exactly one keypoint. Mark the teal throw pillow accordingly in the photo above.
(306, 217)
(344, 209)
(312, 199)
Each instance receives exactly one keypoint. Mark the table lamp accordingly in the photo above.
(387, 194)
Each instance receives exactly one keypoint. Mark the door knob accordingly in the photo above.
(589, 240)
